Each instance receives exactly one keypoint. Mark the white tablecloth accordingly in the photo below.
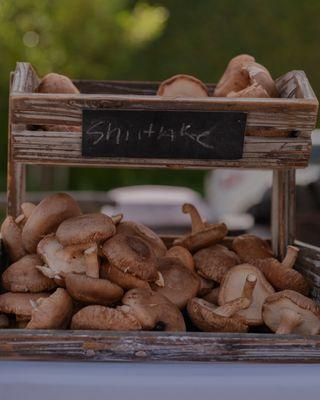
(91, 381)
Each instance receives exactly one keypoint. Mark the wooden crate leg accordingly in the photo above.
(16, 186)
(283, 211)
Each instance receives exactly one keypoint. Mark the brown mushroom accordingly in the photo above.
(12, 240)
(154, 311)
(4, 321)
(105, 318)
(202, 234)
(179, 283)
(19, 303)
(210, 318)
(59, 261)
(250, 247)
(183, 255)
(235, 78)
(282, 275)
(123, 279)
(290, 312)
(53, 312)
(260, 76)
(46, 217)
(56, 83)
(132, 255)
(85, 233)
(23, 276)
(92, 290)
(135, 229)
(233, 285)
(182, 86)
(26, 210)
(254, 91)
(214, 262)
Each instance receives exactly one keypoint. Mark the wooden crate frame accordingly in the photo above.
(277, 138)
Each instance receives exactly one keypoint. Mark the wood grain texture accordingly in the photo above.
(35, 147)
(308, 263)
(151, 346)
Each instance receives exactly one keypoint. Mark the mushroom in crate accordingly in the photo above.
(179, 283)
(24, 276)
(92, 290)
(288, 312)
(19, 304)
(57, 83)
(232, 287)
(250, 247)
(182, 86)
(154, 311)
(202, 234)
(85, 233)
(53, 312)
(244, 77)
(281, 274)
(214, 262)
(46, 217)
(131, 255)
(211, 318)
(135, 229)
(182, 254)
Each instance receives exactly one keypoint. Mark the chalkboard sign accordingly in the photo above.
(163, 134)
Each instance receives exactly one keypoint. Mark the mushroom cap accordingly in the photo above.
(57, 259)
(132, 255)
(180, 284)
(87, 228)
(275, 304)
(254, 91)
(92, 290)
(231, 288)
(183, 255)
(211, 234)
(56, 83)
(215, 261)
(23, 276)
(135, 229)
(46, 217)
(282, 277)
(11, 236)
(105, 318)
(4, 321)
(202, 314)
(182, 86)
(153, 309)
(19, 303)
(259, 75)
(234, 78)
(250, 247)
(52, 312)
(124, 280)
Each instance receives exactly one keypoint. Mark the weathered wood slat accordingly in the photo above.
(151, 346)
(65, 147)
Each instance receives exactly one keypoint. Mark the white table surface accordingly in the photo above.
(197, 381)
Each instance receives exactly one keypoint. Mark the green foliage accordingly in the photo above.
(123, 39)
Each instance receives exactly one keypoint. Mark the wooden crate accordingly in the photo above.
(277, 138)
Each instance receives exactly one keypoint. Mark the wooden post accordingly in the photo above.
(283, 210)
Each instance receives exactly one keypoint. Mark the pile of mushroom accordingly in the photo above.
(93, 271)
(243, 77)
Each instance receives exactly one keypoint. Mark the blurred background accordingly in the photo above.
(152, 40)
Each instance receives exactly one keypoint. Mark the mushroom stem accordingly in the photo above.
(92, 262)
(249, 286)
(233, 306)
(117, 218)
(291, 257)
(197, 225)
(27, 209)
(289, 320)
